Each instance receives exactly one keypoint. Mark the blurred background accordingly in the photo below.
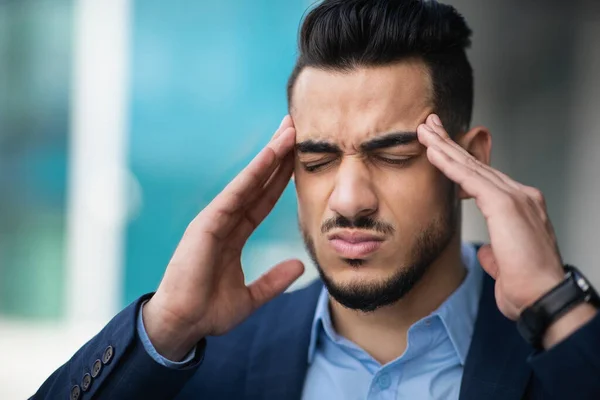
(120, 120)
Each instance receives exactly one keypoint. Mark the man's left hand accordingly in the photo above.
(523, 255)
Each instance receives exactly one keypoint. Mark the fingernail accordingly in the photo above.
(436, 120)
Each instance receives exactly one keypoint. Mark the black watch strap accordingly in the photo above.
(535, 319)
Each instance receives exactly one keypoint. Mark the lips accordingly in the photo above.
(354, 245)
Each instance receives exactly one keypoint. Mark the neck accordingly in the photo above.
(383, 332)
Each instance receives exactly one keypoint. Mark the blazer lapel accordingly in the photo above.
(496, 365)
(278, 365)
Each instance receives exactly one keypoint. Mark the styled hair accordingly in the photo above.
(342, 35)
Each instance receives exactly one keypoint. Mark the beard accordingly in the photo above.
(368, 297)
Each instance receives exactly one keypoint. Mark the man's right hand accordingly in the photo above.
(203, 290)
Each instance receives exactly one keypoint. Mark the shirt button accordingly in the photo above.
(384, 381)
(107, 356)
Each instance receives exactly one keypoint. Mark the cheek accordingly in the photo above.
(413, 196)
(312, 199)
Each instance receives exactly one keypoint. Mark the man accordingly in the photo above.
(381, 148)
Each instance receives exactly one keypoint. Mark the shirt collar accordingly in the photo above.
(457, 313)
(322, 319)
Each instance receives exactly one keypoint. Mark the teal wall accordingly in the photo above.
(208, 91)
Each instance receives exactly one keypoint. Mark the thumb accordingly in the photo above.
(488, 261)
(275, 281)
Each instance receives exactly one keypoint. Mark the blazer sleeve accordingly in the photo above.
(571, 369)
(115, 365)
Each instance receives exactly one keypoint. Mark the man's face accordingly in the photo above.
(373, 211)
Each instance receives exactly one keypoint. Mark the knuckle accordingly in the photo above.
(545, 218)
(507, 201)
(531, 202)
(470, 176)
(252, 220)
(537, 195)
(447, 140)
(472, 162)
(271, 201)
(198, 222)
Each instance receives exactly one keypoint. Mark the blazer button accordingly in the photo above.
(108, 354)
(75, 392)
(96, 367)
(86, 382)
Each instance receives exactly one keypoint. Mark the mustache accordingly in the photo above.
(367, 223)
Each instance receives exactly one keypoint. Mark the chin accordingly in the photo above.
(370, 286)
(357, 275)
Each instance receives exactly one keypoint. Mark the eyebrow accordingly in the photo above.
(312, 146)
(389, 140)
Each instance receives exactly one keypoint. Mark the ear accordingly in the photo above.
(478, 142)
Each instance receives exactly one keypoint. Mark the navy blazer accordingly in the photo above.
(266, 358)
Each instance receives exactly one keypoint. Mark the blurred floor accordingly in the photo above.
(31, 351)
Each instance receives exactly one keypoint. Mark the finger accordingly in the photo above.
(289, 158)
(439, 137)
(258, 171)
(473, 183)
(433, 121)
(275, 281)
(273, 190)
(227, 207)
(286, 122)
(488, 261)
(280, 155)
(258, 211)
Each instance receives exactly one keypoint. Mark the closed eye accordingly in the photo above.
(314, 167)
(391, 160)
(398, 160)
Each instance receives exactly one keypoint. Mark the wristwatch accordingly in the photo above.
(535, 319)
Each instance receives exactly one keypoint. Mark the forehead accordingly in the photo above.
(351, 106)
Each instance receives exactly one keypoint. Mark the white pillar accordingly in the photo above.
(96, 208)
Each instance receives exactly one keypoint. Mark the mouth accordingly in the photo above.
(354, 244)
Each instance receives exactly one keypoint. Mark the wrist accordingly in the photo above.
(542, 287)
(567, 324)
(561, 311)
(171, 338)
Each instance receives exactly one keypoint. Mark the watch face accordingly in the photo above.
(591, 295)
(581, 281)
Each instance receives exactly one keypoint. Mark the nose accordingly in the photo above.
(353, 195)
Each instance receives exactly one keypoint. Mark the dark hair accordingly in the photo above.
(341, 35)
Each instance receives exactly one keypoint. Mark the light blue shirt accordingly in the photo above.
(431, 366)
(141, 329)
